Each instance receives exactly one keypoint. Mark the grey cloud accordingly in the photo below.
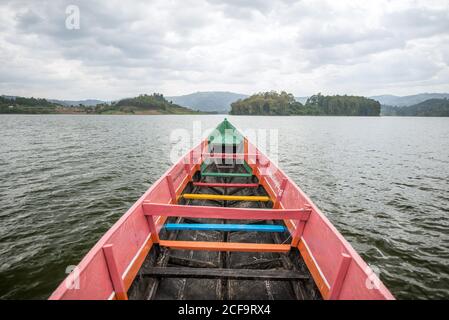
(348, 54)
(349, 42)
(398, 71)
(246, 9)
(418, 22)
(106, 35)
(318, 37)
(257, 5)
(247, 45)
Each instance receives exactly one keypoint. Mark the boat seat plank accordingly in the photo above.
(225, 185)
(225, 246)
(225, 197)
(207, 212)
(224, 227)
(214, 273)
(226, 175)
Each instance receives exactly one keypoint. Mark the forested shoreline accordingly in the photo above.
(284, 104)
(143, 104)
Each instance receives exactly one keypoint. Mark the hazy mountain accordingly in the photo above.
(8, 97)
(69, 103)
(391, 100)
(302, 100)
(428, 108)
(217, 101)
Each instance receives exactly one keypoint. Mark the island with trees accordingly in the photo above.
(143, 104)
(284, 104)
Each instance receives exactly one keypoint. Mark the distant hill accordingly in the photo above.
(267, 104)
(76, 103)
(302, 100)
(213, 101)
(143, 104)
(391, 100)
(428, 108)
(284, 104)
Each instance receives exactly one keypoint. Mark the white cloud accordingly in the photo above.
(175, 47)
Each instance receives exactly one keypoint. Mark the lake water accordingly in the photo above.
(383, 182)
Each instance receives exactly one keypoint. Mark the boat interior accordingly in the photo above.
(221, 267)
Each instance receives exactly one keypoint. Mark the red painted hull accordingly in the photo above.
(110, 267)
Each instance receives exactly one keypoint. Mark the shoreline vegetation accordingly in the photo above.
(284, 104)
(261, 104)
(144, 104)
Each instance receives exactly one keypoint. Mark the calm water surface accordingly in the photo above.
(383, 182)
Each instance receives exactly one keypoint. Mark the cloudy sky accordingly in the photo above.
(124, 48)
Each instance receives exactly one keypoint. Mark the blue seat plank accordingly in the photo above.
(224, 227)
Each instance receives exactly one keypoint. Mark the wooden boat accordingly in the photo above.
(223, 223)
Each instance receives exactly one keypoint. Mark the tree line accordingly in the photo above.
(283, 103)
(143, 104)
(26, 105)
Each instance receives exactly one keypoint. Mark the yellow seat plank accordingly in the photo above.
(223, 197)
